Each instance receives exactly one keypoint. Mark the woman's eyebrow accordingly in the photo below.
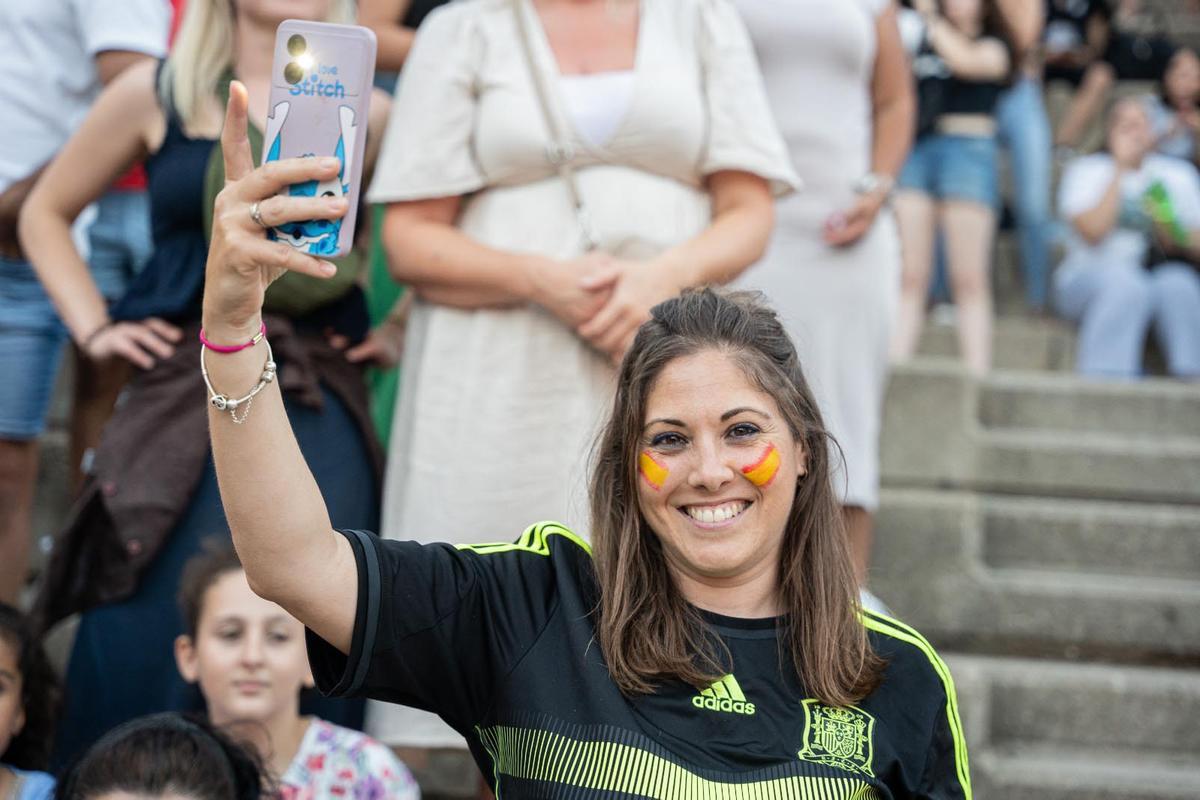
(733, 412)
(665, 421)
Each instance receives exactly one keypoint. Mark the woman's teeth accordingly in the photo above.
(713, 514)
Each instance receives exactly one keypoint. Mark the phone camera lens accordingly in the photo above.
(293, 73)
(296, 44)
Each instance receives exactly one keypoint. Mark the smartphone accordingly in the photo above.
(320, 99)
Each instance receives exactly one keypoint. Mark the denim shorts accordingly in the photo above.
(120, 240)
(952, 167)
(31, 335)
(31, 345)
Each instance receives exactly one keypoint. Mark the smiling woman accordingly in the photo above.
(745, 523)
(701, 569)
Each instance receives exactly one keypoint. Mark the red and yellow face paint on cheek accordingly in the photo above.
(763, 471)
(652, 472)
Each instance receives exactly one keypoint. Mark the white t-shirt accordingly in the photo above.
(1084, 184)
(49, 76)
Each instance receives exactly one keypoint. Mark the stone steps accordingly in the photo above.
(942, 561)
(936, 433)
(1056, 730)
(1099, 465)
(1097, 537)
(1019, 343)
(1038, 401)
(1054, 774)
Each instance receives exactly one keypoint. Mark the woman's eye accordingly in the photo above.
(743, 430)
(667, 440)
(278, 638)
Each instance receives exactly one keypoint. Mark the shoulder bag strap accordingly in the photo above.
(559, 151)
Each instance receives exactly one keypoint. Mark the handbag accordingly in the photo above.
(559, 151)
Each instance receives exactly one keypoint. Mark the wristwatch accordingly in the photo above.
(874, 182)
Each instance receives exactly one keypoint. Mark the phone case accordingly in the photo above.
(321, 83)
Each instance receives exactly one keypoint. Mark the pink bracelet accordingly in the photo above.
(219, 348)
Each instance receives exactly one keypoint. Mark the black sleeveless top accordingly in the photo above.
(170, 284)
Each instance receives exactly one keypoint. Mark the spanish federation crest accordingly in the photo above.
(838, 737)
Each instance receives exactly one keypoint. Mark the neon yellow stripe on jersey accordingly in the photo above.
(898, 630)
(535, 539)
(535, 754)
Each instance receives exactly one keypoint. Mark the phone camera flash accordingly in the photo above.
(293, 73)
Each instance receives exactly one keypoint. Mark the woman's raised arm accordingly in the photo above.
(280, 525)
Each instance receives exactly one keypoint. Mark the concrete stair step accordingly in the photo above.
(1030, 705)
(933, 564)
(1054, 774)
(1098, 537)
(1022, 343)
(1041, 401)
(1099, 465)
(1050, 611)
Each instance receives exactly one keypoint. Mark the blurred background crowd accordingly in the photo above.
(979, 219)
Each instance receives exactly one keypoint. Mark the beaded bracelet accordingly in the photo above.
(223, 403)
(234, 348)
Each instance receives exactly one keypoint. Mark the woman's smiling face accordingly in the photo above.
(718, 468)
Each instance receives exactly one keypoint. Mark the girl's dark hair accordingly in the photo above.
(165, 754)
(647, 631)
(216, 558)
(40, 693)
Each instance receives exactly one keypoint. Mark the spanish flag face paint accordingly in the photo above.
(763, 471)
(654, 473)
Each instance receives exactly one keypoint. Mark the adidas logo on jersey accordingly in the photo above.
(724, 695)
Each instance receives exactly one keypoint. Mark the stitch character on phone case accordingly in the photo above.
(316, 237)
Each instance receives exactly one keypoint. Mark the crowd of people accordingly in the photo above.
(557, 181)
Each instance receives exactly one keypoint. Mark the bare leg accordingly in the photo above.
(969, 229)
(18, 475)
(860, 530)
(96, 390)
(915, 216)
(1086, 104)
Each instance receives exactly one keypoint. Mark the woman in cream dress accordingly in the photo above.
(508, 366)
(840, 86)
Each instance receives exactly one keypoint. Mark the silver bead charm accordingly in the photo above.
(219, 401)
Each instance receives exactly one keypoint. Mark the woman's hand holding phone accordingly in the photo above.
(242, 263)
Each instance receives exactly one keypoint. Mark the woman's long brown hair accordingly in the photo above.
(647, 631)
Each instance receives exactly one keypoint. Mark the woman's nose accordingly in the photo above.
(712, 469)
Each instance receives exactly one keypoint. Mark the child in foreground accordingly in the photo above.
(248, 657)
(28, 695)
(168, 756)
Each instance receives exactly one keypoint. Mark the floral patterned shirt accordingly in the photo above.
(335, 762)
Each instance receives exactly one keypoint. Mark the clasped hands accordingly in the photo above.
(604, 299)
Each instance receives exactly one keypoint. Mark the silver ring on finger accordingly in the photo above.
(256, 215)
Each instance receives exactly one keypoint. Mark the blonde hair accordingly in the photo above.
(203, 54)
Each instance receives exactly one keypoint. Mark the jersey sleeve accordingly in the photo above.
(943, 777)
(437, 627)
